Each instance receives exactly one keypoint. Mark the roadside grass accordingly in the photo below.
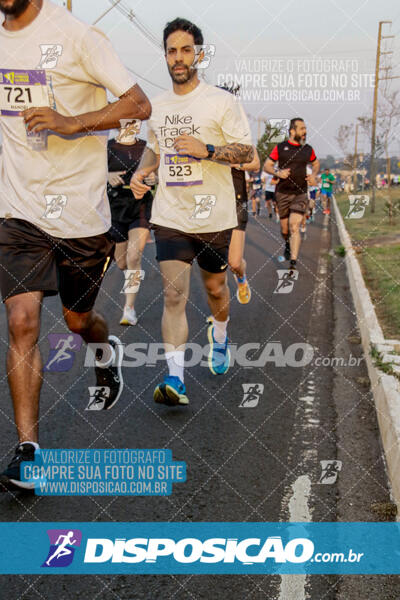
(378, 250)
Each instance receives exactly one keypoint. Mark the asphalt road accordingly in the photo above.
(259, 463)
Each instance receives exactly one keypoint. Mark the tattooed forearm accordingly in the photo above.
(234, 153)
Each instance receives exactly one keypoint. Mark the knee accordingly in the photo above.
(216, 289)
(294, 228)
(78, 322)
(23, 323)
(174, 298)
(134, 256)
(121, 262)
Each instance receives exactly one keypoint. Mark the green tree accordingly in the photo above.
(268, 141)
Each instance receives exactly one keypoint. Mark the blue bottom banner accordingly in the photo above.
(199, 548)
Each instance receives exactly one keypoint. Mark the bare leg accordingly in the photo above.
(217, 294)
(89, 325)
(176, 283)
(236, 261)
(137, 241)
(295, 239)
(24, 364)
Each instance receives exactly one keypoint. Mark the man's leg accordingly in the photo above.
(238, 265)
(284, 222)
(295, 220)
(236, 261)
(91, 326)
(24, 365)
(137, 241)
(120, 255)
(174, 325)
(218, 297)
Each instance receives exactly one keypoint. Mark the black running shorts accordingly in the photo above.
(119, 230)
(31, 260)
(210, 249)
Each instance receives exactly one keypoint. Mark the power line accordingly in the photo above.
(132, 17)
(109, 9)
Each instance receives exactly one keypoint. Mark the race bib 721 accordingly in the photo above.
(21, 89)
(182, 170)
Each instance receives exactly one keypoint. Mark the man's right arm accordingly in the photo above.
(149, 163)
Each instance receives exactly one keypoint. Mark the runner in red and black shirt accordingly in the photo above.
(292, 157)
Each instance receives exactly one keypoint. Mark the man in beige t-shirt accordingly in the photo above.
(195, 133)
(54, 212)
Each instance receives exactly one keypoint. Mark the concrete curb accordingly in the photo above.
(385, 388)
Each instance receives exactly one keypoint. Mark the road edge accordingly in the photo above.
(385, 388)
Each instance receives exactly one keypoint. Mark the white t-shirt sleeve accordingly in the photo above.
(102, 64)
(234, 125)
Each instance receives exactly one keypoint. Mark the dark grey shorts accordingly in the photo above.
(288, 203)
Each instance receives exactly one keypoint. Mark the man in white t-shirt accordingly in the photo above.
(195, 133)
(54, 212)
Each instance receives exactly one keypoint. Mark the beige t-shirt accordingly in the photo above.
(61, 190)
(195, 196)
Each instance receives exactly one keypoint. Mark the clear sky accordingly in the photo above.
(322, 49)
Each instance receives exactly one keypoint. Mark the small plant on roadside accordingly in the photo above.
(340, 250)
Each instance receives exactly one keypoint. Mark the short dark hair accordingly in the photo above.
(179, 24)
(293, 122)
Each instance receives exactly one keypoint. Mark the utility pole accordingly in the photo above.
(355, 162)
(379, 53)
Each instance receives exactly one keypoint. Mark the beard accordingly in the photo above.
(300, 139)
(183, 77)
(16, 8)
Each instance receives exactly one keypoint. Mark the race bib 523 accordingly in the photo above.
(182, 170)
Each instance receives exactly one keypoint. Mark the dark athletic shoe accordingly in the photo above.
(12, 478)
(110, 379)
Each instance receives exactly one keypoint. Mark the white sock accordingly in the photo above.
(35, 444)
(105, 362)
(220, 330)
(175, 362)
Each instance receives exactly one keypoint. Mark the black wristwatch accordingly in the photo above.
(210, 150)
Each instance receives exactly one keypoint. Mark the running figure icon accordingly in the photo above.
(62, 550)
(63, 345)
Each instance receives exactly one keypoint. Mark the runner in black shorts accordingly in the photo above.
(53, 207)
(292, 156)
(237, 262)
(129, 217)
(193, 129)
